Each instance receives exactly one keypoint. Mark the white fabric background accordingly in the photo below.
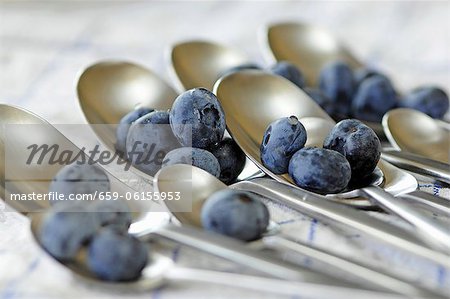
(44, 45)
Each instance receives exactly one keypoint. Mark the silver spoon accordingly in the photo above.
(162, 270)
(20, 128)
(197, 185)
(413, 132)
(274, 97)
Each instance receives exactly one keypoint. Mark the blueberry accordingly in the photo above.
(236, 214)
(149, 139)
(193, 156)
(320, 170)
(358, 143)
(375, 97)
(241, 67)
(116, 256)
(197, 119)
(124, 126)
(336, 82)
(66, 228)
(428, 99)
(281, 140)
(323, 101)
(365, 73)
(289, 71)
(231, 159)
(76, 178)
(112, 213)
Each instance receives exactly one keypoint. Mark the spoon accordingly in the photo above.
(162, 270)
(415, 132)
(20, 128)
(198, 185)
(275, 97)
(200, 63)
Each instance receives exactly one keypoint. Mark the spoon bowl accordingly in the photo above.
(108, 90)
(415, 132)
(201, 63)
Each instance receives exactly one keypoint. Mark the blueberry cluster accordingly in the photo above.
(364, 94)
(191, 132)
(100, 229)
(350, 153)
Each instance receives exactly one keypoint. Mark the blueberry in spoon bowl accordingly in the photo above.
(281, 140)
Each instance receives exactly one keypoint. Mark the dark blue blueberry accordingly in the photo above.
(193, 156)
(323, 101)
(320, 170)
(336, 82)
(124, 126)
(358, 143)
(149, 139)
(197, 119)
(66, 228)
(428, 99)
(112, 213)
(241, 67)
(235, 214)
(116, 256)
(375, 97)
(289, 71)
(79, 179)
(366, 73)
(281, 140)
(231, 159)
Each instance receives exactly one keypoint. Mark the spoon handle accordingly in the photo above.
(325, 210)
(431, 231)
(432, 202)
(418, 164)
(332, 261)
(274, 286)
(236, 251)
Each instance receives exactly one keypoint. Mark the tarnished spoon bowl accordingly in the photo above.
(415, 132)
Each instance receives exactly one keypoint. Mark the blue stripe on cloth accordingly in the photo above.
(11, 288)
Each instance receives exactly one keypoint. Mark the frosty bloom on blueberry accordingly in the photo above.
(429, 99)
(235, 214)
(375, 97)
(358, 143)
(319, 170)
(124, 126)
(336, 82)
(289, 71)
(193, 156)
(197, 118)
(281, 140)
(76, 178)
(149, 139)
(116, 256)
